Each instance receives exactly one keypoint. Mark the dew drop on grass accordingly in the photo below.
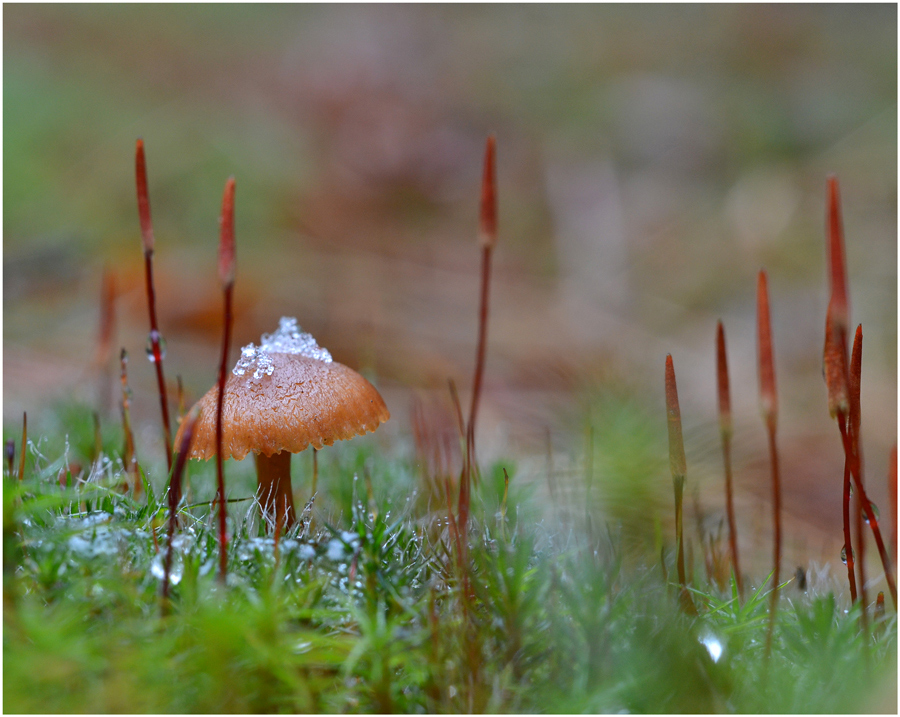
(844, 555)
(155, 337)
(335, 549)
(158, 569)
(713, 645)
(874, 512)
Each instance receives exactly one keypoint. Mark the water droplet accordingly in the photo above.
(712, 645)
(335, 549)
(155, 337)
(157, 568)
(844, 555)
(306, 552)
(874, 512)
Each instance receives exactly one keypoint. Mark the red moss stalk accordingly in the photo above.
(488, 238)
(837, 376)
(854, 378)
(725, 428)
(847, 553)
(184, 449)
(226, 275)
(835, 371)
(836, 261)
(852, 446)
(769, 404)
(147, 236)
(678, 465)
(834, 362)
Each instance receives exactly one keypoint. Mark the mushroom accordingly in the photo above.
(283, 396)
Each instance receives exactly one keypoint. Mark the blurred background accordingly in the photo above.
(651, 159)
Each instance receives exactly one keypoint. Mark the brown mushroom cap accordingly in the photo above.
(304, 401)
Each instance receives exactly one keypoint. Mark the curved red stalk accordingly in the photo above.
(226, 274)
(725, 428)
(852, 447)
(769, 403)
(147, 237)
(175, 494)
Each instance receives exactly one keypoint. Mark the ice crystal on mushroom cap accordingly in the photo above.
(252, 355)
(291, 339)
(288, 339)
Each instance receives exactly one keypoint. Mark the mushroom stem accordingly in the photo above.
(275, 495)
